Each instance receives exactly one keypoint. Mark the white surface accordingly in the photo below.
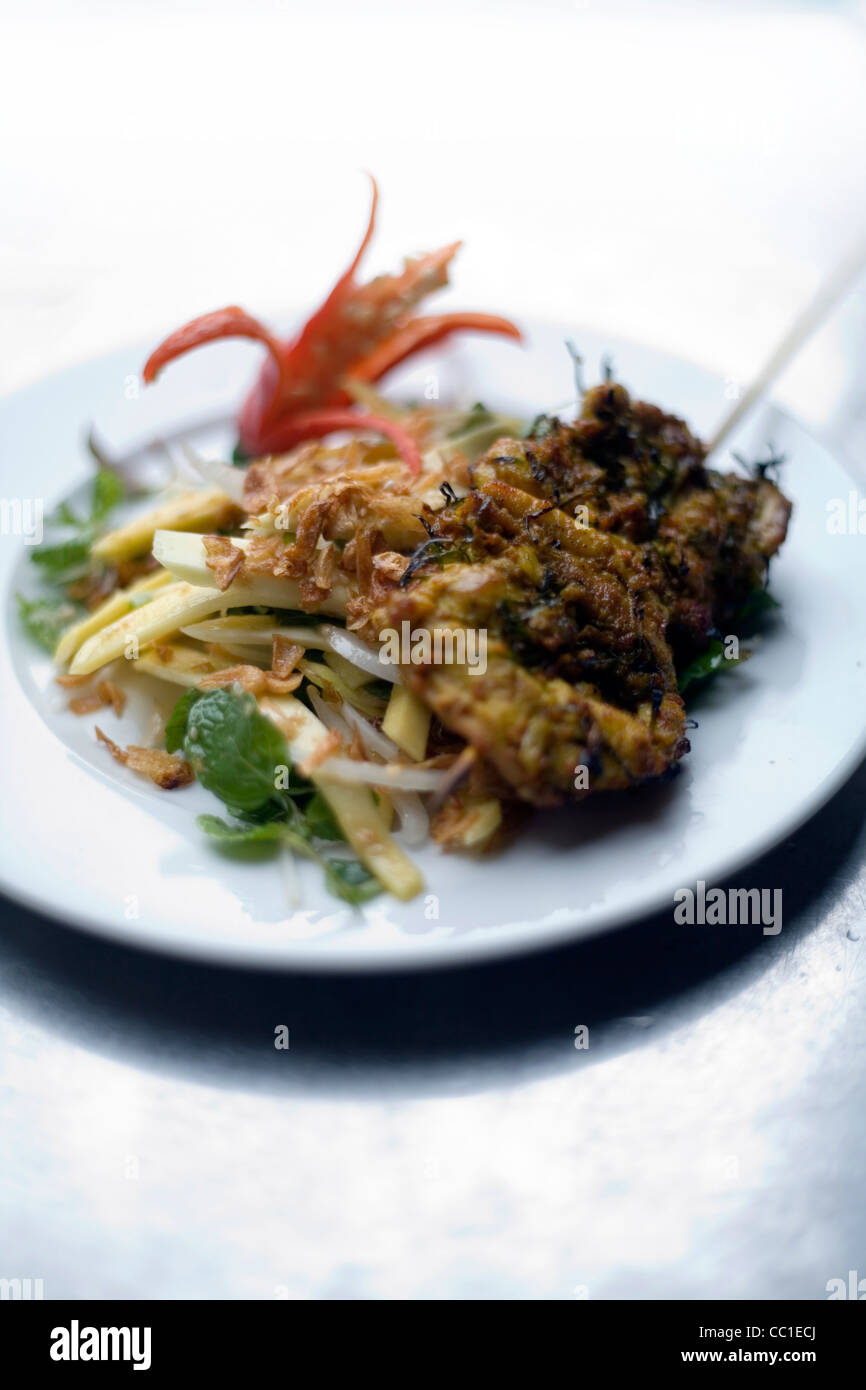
(681, 175)
(137, 868)
(439, 1137)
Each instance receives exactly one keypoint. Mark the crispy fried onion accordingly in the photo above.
(380, 574)
(315, 562)
(224, 560)
(465, 822)
(106, 693)
(252, 679)
(270, 481)
(167, 770)
(281, 477)
(285, 655)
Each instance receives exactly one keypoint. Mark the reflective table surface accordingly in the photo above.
(442, 1135)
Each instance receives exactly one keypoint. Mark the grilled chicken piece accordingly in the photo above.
(578, 671)
(613, 467)
(627, 467)
(714, 544)
(594, 556)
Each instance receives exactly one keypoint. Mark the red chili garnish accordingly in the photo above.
(359, 333)
(232, 322)
(314, 424)
(423, 333)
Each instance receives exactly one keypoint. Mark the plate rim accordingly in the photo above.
(307, 956)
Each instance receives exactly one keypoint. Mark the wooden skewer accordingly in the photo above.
(832, 290)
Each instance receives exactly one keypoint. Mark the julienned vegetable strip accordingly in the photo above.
(356, 811)
(356, 661)
(108, 612)
(183, 554)
(407, 722)
(179, 663)
(169, 609)
(200, 509)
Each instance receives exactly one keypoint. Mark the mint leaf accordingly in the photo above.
(107, 491)
(240, 836)
(45, 619)
(235, 752)
(175, 729)
(66, 560)
(349, 880)
(709, 663)
(345, 878)
(321, 820)
(65, 516)
(713, 660)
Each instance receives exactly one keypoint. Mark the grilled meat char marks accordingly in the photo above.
(578, 671)
(617, 461)
(595, 556)
(629, 468)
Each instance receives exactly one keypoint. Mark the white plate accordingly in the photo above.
(91, 844)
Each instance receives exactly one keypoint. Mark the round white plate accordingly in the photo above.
(89, 843)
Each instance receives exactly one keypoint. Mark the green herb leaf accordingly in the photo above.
(107, 491)
(175, 729)
(478, 415)
(69, 559)
(321, 820)
(65, 516)
(349, 880)
(709, 663)
(759, 601)
(713, 660)
(45, 619)
(235, 752)
(379, 689)
(433, 550)
(64, 561)
(240, 836)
